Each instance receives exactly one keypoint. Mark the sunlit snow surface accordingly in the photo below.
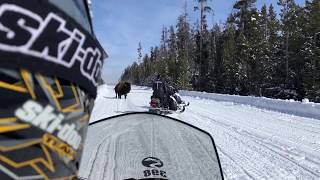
(253, 143)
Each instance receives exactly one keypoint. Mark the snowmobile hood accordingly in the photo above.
(149, 146)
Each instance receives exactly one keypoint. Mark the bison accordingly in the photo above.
(122, 88)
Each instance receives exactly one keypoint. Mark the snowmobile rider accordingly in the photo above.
(160, 91)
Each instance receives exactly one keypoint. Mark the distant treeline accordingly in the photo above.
(252, 53)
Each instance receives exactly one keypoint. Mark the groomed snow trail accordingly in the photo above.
(252, 143)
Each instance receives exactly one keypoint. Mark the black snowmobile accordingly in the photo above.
(174, 103)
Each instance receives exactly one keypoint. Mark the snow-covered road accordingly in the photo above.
(252, 143)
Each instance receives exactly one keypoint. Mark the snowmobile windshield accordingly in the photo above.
(77, 10)
(148, 146)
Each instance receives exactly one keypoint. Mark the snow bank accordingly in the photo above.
(305, 108)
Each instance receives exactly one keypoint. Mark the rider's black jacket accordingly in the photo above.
(159, 88)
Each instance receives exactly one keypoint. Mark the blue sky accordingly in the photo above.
(121, 24)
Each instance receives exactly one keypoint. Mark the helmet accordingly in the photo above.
(50, 66)
(158, 76)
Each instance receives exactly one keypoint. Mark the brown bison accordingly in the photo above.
(122, 88)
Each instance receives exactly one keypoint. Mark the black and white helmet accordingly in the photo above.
(50, 66)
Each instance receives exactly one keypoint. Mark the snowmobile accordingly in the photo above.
(174, 106)
(175, 103)
(147, 146)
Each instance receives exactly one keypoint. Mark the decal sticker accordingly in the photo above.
(46, 119)
(153, 173)
(42, 126)
(59, 147)
(152, 162)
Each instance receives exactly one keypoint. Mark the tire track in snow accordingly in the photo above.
(287, 154)
(315, 147)
(286, 158)
(282, 157)
(306, 141)
(227, 127)
(224, 155)
(95, 162)
(102, 145)
(241, 159)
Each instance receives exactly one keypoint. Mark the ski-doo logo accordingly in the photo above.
(46, 119)
(23, 31)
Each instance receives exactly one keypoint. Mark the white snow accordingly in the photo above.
(305, 101)
(257, 138)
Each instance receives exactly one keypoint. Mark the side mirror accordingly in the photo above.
(148, 146)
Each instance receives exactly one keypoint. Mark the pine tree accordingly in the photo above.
(231, 83)
(292, 25)
(245, 18)
(311, 50)
(272, 76)
(183, 45)
(253, 54)
(203, 44)
(139, 53)
(262, 52)
(140, 70)
(216, 79)
(172, 60)
(288, 26)
(243, 15)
